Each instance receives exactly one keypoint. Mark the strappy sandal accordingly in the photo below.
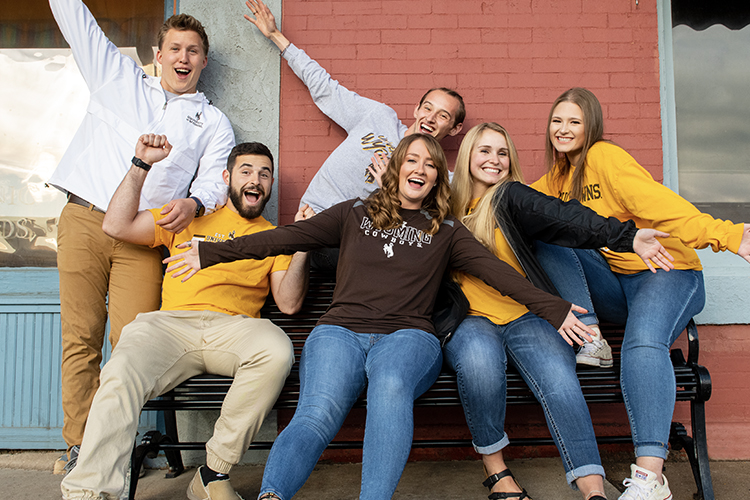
(494, 478)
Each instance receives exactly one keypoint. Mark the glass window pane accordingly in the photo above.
(711, 74)
(49, 100)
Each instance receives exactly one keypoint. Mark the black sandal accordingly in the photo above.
(494, 478)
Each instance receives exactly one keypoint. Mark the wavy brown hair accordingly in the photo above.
(183, 22)
(482, 221)
(383, 204)
(593, 125)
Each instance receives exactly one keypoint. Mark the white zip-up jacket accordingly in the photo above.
(126, 103)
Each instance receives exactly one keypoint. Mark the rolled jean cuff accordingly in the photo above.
(493, 448)
(216, 464)
(582, 471)
(588, 318)
(652, 450)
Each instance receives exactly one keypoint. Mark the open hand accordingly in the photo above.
(379, 164)
(263, 19)
(572, 330)
(649, 249)
(188, 262)
(152, 148)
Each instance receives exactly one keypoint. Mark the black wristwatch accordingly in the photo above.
(199, 208)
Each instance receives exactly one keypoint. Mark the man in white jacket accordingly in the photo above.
(100, 276)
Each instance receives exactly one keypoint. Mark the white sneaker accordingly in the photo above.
(642, 485)
(595, 353)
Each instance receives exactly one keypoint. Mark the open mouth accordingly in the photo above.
(426, 129)
(416, 183)
(252, 195)
(182, 71)
(564, 140)
(492, 170)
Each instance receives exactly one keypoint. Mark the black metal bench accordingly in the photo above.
(600, 385)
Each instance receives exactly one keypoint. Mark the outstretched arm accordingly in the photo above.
(123, 221)
(263, 20)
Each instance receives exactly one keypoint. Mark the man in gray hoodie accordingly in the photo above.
(373, 128)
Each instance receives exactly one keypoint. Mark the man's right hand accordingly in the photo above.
(152, 148)
(266, 23)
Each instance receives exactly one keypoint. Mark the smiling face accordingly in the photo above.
(566, 130)
(436, 115)
(182, 59)
(250, 182)
(417, 177)
(489, 162)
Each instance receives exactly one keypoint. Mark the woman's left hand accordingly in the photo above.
(572, 330)
(186, 262)
(651, 250)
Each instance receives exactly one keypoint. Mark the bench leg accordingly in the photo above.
(700, 449)
(174, 457)
(149, 446)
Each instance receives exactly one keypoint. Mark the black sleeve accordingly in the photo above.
(568, 224)
(322, 230)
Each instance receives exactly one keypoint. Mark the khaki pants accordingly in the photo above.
(92, 266)
(159, 350)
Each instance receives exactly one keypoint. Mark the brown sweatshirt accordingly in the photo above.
(388, 280)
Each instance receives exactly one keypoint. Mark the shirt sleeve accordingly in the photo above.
(161, 235)
(567, 224)
(208, 185)
(338, 103)
(323, 230)
(469, 256)
(659, 207)
(98, 59)
(281, 263)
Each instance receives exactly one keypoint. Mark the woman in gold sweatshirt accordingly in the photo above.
(655, 307)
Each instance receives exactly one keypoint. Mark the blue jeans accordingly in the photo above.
(479, 350)
(655, 308)
(335, 367)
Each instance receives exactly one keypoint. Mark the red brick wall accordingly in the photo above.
(510, 60)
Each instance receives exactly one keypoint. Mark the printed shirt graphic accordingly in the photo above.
(238, 287)
(617, 186)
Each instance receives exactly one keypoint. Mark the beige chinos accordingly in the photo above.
(156, 352)
(93, 266)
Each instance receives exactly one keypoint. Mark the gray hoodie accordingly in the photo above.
(370, 127)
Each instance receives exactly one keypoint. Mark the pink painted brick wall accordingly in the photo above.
(509, 60)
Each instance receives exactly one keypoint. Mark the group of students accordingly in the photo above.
(539, 265)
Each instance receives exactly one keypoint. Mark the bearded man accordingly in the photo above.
(210, 325)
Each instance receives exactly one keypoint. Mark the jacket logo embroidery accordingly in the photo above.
(197, 120)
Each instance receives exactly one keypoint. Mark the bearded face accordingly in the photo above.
(250, 183)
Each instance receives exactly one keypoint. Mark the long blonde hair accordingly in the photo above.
(383, 204)
(593, 126)
(481, 222)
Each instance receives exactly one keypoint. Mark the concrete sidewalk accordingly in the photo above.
(27, 475)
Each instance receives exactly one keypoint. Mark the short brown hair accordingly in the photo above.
(183, 22)
(460, 113)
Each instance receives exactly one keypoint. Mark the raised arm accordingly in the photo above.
(338, 103)
(123, 221)
(97, 58)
